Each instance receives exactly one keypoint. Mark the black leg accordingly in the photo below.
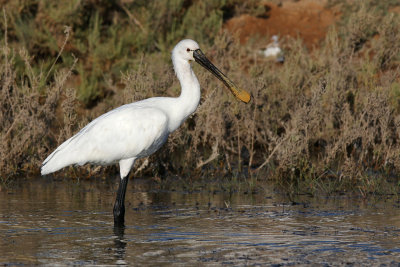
(119, 206)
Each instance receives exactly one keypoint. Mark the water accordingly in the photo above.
(46, 222)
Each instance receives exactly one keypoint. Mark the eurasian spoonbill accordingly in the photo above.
(138, 129)
(273, 50)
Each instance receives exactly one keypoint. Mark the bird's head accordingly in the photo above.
(184, 50)
(189, 50)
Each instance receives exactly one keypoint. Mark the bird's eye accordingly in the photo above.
(188, 49)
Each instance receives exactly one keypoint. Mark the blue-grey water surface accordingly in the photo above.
(69, 222)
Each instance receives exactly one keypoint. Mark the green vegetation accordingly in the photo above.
(326, 120)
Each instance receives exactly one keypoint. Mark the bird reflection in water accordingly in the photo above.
(120, 244)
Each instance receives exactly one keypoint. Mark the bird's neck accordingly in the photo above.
(189, 99)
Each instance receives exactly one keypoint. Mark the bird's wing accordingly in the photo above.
(125, 132)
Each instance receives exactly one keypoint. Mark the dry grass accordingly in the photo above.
(324, 120)
(26, 115)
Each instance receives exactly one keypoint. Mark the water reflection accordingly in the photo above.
(120, 245)
(46, 222)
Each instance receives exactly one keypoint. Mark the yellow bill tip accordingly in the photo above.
(243, 96)
(240, 94)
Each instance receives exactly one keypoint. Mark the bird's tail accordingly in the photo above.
(60, 158)
(52, 164)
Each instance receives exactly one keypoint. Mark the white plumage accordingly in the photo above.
(138, 129)
(273, 50)
(131, 131)
(134, 130)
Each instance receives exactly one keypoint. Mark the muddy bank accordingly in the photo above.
(307, 20)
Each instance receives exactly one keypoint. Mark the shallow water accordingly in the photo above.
(46, 222)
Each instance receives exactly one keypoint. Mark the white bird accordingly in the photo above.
(273, 50)
(138, 129)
